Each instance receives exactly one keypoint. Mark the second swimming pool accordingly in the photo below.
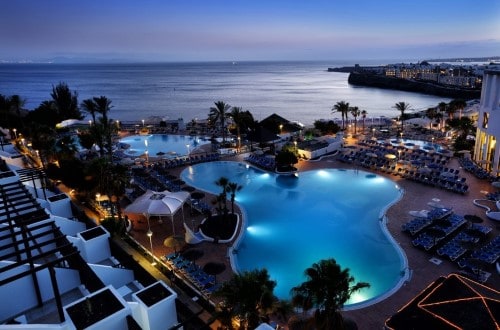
(293, 222)
(166, 145)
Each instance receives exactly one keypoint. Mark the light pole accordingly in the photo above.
(98, 200)
(187, 146)
(143, 123)
(15, 133)
(150, 235)
(239, 143)
(295, 144)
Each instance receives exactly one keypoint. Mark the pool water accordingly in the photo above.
(293, 222)
(410, 144)
(168, 145)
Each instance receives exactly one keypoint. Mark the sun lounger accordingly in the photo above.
(425, 241)
(419, 214)
(480, 276)
(436, 205)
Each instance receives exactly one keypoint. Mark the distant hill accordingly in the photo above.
(466, 59)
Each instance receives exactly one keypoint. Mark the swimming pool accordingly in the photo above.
(167, 145)
(411, 144)
(295, 222)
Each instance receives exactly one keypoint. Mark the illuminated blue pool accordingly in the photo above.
(411, 144)
(295, 222)
(167, 145)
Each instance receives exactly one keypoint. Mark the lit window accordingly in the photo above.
(485, 120)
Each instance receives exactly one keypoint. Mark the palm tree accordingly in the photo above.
(355, 112)
(5, 111)
(363, 116)
(458, 104)
(442, 106)
(236, 114)
(89, 107)
(450, 110)
(222, 197)
(102, 106)
(17, 104)
(66, 147)
(247, 296)
(402, 107)
(343, 108)
(233, 188)
(65, 102)
(220, 113)
(45, 141)
(431, 114)
(328, 287)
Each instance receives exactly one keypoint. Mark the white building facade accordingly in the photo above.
(487, 150)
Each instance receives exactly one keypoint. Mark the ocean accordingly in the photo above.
(298, 91)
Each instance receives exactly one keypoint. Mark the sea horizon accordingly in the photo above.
(302, 91)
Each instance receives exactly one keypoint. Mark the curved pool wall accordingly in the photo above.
(170, 145)
(344, 219)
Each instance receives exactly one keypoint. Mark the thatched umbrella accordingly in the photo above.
(174, 242)
(473, 218)
(197, 195)
(192, 254)
(214, 268)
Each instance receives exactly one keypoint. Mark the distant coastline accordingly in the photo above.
(370, 76)
(379, 81)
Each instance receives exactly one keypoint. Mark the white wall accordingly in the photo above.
(21, 293)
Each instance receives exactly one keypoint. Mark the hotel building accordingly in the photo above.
(487, 150)
(60, 273)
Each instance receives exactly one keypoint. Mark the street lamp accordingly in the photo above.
(98, 199)
(143, 123)
(373, 133)
(150, 235)
(187, 146)
(281, 128)
(295, 143)
(90, 122)
(239, 143)
(15, 133)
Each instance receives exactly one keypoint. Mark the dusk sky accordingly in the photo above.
(237, 30)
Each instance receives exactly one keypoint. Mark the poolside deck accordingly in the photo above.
(425, 266)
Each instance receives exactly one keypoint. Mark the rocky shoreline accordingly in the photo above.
(364, 76)
(379, 81)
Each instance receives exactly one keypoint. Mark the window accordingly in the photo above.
(485, 120)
